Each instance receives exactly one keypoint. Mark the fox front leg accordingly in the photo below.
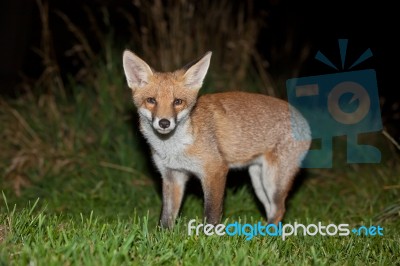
(213, 189)
(173, 186)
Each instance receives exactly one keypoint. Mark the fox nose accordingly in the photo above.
(164, 123)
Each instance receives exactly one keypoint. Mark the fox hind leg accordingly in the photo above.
(255, 172)
(269, 181)
(277, 179)
(271, 186)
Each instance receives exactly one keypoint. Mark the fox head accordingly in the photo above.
(164, 99)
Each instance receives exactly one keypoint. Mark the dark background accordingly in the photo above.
(318, 24)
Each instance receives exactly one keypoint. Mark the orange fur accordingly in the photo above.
(207, 136)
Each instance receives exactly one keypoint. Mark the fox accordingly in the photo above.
(207, 136)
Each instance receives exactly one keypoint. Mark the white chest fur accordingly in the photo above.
(169, 151)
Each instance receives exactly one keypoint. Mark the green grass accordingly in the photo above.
(89, 194)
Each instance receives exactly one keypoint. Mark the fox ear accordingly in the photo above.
(196, 71)
(136, 70)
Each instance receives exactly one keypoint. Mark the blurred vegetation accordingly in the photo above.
(166, 34)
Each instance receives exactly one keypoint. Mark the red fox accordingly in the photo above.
(206, 136)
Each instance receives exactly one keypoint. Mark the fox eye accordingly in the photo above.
(151, 100)
(178, 101)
